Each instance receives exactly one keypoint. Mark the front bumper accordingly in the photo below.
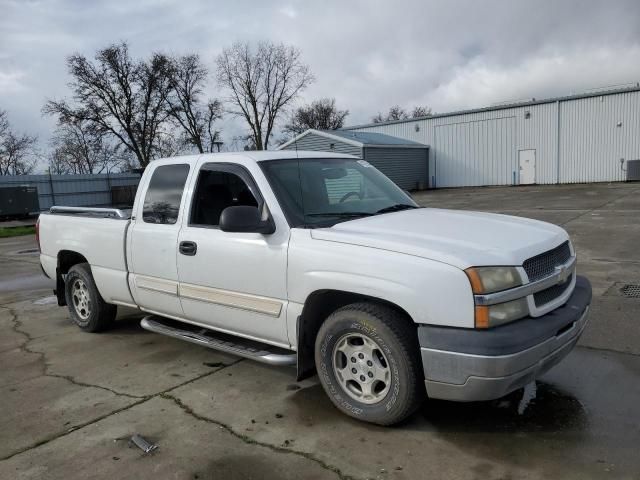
(472, 365)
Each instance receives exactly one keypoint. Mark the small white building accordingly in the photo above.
(592, 137)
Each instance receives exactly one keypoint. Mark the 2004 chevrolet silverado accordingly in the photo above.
(320, 261)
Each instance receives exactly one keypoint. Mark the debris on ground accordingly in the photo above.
(142, 443)
(51, 300)
(279, 415)
(213, 364)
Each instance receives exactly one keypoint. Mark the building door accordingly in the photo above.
(475, 153)
(527, 159)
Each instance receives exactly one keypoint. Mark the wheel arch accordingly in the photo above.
(65, 260)
(317, 307)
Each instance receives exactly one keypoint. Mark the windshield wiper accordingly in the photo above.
(396, 208)
(340, 214)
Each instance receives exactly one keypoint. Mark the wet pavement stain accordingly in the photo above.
(550, 410)
(583, 417)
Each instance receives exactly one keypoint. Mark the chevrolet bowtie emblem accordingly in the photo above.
(563, 273)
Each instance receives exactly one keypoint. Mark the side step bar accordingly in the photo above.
(219, 341)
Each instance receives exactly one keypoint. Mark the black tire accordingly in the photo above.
(396, 339)
(87, 308)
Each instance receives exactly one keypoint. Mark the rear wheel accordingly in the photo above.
(87, 308)
(367, 358)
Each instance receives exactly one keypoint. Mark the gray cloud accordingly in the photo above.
(368, 54)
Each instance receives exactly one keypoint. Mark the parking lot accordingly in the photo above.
(70, 401)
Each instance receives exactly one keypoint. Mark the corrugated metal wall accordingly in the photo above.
(585, 146)
(73, 190)
(595, 133)
(471, 155)
(476, 153)
(318, 143)
(407, 167)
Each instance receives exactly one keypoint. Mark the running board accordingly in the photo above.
(219, 341)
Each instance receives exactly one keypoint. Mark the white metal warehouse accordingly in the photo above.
(592, 137)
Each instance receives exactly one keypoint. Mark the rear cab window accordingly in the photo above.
(164, 194)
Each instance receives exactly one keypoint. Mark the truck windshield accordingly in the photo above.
(320, 192)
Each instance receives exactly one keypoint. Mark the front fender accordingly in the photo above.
(430, 292)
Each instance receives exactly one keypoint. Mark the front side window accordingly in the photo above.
(215, 191)
(162, 200)
(324, 191)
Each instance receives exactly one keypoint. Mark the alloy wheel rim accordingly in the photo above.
(361, 368)
(81, 299)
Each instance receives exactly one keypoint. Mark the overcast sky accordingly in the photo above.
(369, 55)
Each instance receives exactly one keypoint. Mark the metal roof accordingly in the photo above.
(361, 139)
(372, 138)
(504, 106)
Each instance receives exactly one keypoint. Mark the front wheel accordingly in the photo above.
(367, 357)
(87, 308)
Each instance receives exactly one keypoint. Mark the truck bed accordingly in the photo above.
(99, 235)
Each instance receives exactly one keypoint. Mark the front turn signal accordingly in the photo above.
(482, 317)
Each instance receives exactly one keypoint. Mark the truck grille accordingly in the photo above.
(550, 294)
(544, 264)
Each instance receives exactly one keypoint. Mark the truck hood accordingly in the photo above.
(456, 237)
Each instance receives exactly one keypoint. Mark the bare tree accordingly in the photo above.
(262, 82)
(421, 111)
(378, 118)
(58, 164)
(119, 96)
(196, 120)
(17, 155)
(398, 113)
(77, 148)
(321, 114)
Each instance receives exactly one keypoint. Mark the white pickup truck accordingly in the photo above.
(318, 260)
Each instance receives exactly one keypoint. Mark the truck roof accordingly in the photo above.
(256, 156)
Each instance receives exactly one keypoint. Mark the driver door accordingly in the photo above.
(232, 282)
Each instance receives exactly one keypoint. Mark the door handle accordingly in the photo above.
(188, 248)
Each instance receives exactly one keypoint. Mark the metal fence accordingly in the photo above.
(100, 190)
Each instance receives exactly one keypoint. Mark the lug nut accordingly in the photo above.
(360, 356)
(353, 370)
(370, 375)
(370, 363)
(362, 377)
(353, 359)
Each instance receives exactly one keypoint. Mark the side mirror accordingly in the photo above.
(245, 219)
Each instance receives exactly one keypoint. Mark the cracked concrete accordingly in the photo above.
(70, 400)
(188, 448)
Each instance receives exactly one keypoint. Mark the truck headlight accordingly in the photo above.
(492, 279)
(501, 313)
